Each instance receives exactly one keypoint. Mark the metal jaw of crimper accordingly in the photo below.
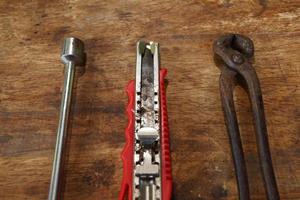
(233, 54)
(146, 156)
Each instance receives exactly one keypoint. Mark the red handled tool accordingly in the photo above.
(146, 156)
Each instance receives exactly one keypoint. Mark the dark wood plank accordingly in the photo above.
(31, 74)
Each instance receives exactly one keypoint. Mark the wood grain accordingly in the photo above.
(31, 74)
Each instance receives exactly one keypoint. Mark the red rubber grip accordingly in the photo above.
(165, 141)
(127, 153)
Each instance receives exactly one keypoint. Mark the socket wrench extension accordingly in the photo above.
(72, 55)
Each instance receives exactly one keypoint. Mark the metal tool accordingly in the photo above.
(72, 55)
(146, 156)
(233, 54)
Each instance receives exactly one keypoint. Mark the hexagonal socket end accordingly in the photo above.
(73, 51)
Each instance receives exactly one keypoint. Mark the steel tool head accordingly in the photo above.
(73, 51)
(233, 50)
(236, 42)
(142, 46)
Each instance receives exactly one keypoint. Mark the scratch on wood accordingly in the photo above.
(100, 173)
(263, 4)
(5, 138)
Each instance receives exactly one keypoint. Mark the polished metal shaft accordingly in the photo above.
(72, 54)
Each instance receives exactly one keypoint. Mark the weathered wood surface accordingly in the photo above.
(31, 76)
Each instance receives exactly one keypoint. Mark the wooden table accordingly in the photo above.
(31, 34)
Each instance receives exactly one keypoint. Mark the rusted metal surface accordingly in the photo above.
(233, 55)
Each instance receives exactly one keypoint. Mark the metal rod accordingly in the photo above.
(72, 54)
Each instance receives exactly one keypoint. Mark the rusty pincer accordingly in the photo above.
(233, 54)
